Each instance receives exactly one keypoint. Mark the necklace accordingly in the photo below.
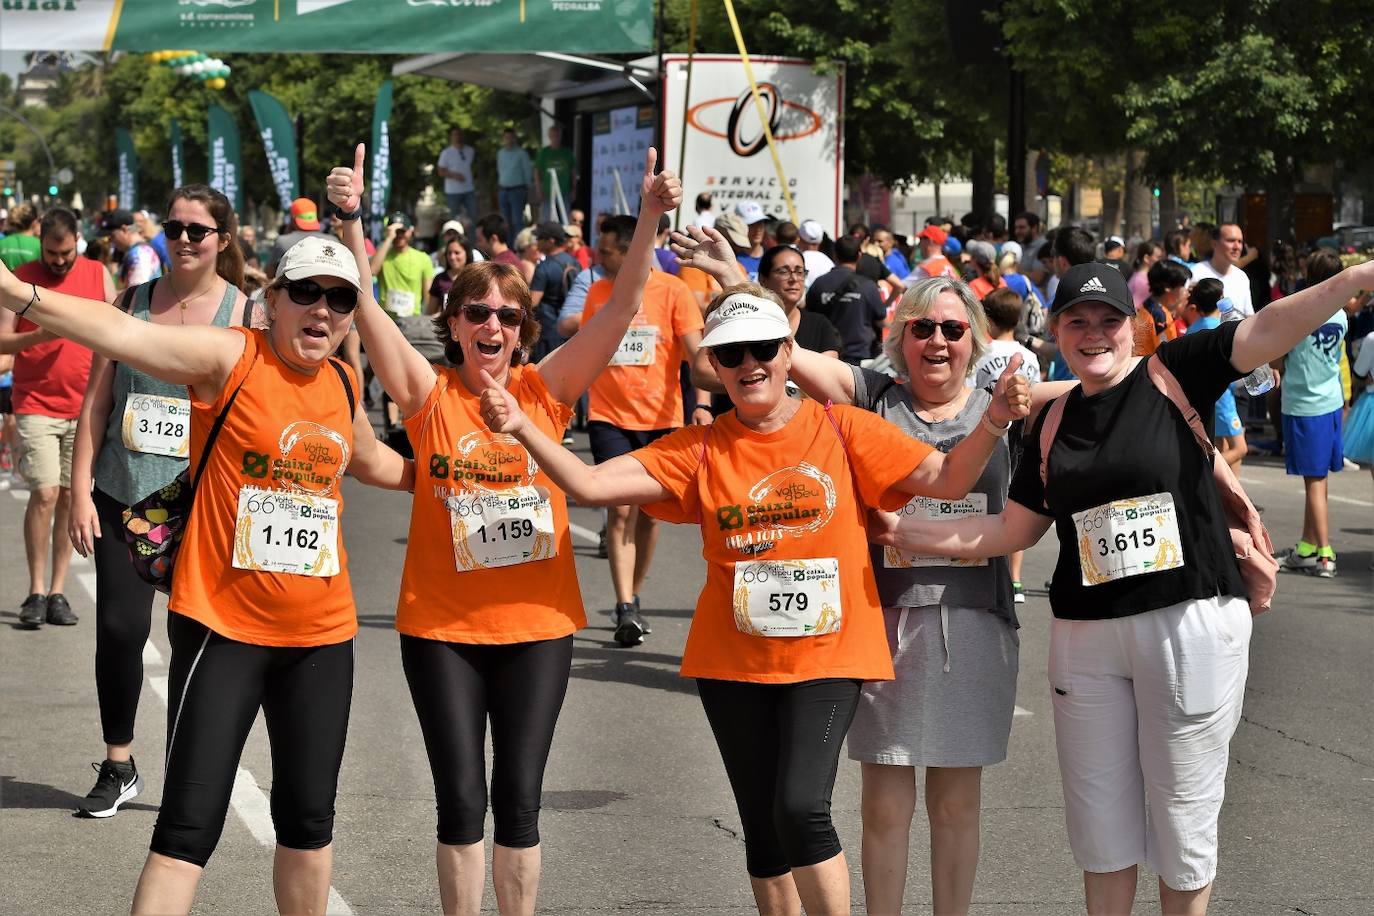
(184, 303)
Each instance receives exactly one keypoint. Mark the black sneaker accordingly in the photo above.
(643, 621)
(629, 626)
(33, 611)
(60, 611)
(116, 784)
(601, 551)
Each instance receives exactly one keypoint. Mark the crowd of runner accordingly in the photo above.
(869, 429)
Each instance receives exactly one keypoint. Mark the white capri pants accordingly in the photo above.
(1144, 710)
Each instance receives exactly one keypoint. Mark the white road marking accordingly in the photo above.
(586, 534)
(151, 656)
(1018, 711)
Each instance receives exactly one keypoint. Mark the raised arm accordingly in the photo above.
(952, 475)
(1275, 329)
(974, 537)
(707, 250)
(196, 355)
(571, 368)
(622, 481)
(405, 374)
(823, 378)
(374, 462)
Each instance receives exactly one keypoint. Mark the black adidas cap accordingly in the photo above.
(1093, 282)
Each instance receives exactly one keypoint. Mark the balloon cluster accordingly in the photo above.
(209, 70)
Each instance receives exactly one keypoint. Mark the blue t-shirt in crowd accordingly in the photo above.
(897, 264)
(750, 265)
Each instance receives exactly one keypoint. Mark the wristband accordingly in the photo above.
(992, 429)
(706, 407)
(32, 299)
(339, 213)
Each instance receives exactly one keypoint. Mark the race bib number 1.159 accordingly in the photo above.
(494, 528)
(1128, 537)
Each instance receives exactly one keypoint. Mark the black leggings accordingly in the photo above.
(123, 617)
(781, 748)
(215, 690)
(455, 688)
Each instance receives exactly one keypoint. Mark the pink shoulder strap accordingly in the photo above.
(1053, 415)
(1168, 386)
(836, 426)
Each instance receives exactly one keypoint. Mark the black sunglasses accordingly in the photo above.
(478, 313)
(194, 231)
(924, 328)
(731, 355)
(340, 299)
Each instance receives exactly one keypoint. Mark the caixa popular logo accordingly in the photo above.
(787, 120)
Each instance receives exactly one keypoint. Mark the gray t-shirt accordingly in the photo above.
(961, 586)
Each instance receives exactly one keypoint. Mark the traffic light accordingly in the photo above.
(8, 191)
(52, 190)
(1155, 190)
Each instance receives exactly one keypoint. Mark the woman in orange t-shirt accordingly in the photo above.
(788, 625)
(489, 594)
(261, 613)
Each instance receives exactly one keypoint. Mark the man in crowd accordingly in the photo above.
(1114, 253)
(1228, 242)
(151, 229)
(493, 238)
(892, 255)
(50, 376)
(514, 175)
(636, 400)
(851, 301)
(810, 234)
(305, 222)
(1029, 233)
(705, 215)
(20, 244)
(930, 242)
(455, 167)
(403, 272)
(561, 160)
(140, 262)
(736, 232)
(755, 229)
(553, 277)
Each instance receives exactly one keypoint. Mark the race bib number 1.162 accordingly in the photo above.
(284, 532)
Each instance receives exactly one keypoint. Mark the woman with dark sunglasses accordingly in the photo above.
(489, 595)
(261, 612)
(788, 625)
(132, 437)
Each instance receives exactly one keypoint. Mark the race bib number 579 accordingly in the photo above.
(787, 597)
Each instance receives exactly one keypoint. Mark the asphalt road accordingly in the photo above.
(638, 817)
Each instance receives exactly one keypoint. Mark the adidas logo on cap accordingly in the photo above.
(1094, 285)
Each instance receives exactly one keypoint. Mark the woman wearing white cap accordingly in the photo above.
(787, 626)
(1150, 640)
(261, 612)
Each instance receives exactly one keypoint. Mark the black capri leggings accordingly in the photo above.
(123, 617)
(215, 690)
(781, 748)
(455, 688)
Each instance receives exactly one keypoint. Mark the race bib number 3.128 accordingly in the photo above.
(637, 347)
(283, 532)
(939, 510)
(494, 528)
(787, 597)
(1128, 537)
(155, 425)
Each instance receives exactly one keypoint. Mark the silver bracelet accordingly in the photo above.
(992, 429)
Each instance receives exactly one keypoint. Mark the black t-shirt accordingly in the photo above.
(815, 333)
(853, 305)
(1131, 441)
(872, 268)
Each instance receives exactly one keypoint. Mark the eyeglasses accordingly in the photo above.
(194, 231)
(798, 272)
(731, 355)
(478, 313)
(341, 300)
(924, 328)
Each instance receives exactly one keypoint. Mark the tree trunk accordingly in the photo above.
(1138, 198)
(984, 161)
(1282, 216)
(1168, 205)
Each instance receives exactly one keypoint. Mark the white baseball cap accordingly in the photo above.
(455, 226)
(313, 256)
(810, 231)
(750, 212)
(743, 318)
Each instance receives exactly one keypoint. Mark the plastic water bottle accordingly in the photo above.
(1262, 379)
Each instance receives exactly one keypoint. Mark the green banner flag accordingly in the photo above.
(128, 169)
(325, 26)
(379, 181)
(222, 140)
(279, 141)
(177, 159)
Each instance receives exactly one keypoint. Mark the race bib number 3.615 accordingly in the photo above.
(494, 528)
(1128, 537)
(283, 532)
(787, 597)
(155, 425)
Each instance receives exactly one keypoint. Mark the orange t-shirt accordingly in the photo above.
(286, 431)
(796, 493)
(981, 286)
(1146, 338)
(701, 284)
(646, 396)
(455, 455)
